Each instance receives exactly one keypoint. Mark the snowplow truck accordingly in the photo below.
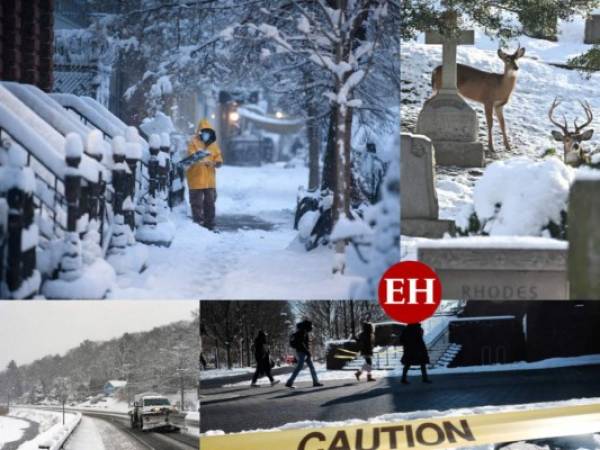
(155, 412)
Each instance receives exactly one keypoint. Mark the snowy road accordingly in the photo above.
(243, 408)
(253, 256)
(111, 432)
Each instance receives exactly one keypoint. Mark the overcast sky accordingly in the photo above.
(32, 329)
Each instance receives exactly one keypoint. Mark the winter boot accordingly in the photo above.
(357, 374)
(370, 377)
(274, 382)
(289, 385)
(317, 384)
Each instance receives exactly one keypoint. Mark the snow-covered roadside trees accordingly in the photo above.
(329, 54)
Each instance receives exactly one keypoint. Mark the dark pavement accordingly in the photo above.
(212, 383)
(236, 222)
(244, 408)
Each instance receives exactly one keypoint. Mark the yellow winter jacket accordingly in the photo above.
(201, 176)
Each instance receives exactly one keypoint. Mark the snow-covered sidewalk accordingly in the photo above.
(87, 435)
(243, 263)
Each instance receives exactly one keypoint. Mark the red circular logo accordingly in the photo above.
(410, 292)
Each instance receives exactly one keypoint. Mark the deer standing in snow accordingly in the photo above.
(493, 90)
(573, 149)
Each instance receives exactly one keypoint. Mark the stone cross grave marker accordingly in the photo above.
(446, 118)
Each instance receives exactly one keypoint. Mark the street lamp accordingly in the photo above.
(234, 116)
(279, 115)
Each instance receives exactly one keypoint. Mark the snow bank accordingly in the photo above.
(133, 259)
(162, 233)
(496, 242)
(223, 373)
(53, 433)
(520, 196)
(348, 229)
(588, 174)
(550, 363)
(94, 283)
(107, 404)
(422, 414)
(160, 123)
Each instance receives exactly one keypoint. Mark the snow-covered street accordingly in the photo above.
(254, 254)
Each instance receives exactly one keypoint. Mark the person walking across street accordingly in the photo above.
(365, 342)
(201, 176)
(264, 362)
(415, 351)
(300, 341)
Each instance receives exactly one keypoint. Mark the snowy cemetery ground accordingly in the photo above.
(519, 192)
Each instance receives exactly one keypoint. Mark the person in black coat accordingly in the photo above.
(263, 359)
(301, 343)
(415, 351)
(365, 343)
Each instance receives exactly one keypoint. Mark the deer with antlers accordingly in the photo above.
(493, 90)
(574, 151)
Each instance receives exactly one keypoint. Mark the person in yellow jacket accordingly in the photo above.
(201, 176)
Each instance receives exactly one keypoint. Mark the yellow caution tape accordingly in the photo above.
(433, 433)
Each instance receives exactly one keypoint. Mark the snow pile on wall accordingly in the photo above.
(520, 196)
(160, 123)
(54, 434)
(93, 283)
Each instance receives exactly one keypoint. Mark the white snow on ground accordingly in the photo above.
(398, 417)
(528, 127)
(86, 436)
(242, 264)
(330, 375)
(51, 429)
(11, 429)
(526, 113)
(550, 363)
(222, 373)
(108, 404)
(304, 376)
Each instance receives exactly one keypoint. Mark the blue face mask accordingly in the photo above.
(204, 136)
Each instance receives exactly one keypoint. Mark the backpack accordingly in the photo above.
(294, 340)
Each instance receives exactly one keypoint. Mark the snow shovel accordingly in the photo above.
(192, 159)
